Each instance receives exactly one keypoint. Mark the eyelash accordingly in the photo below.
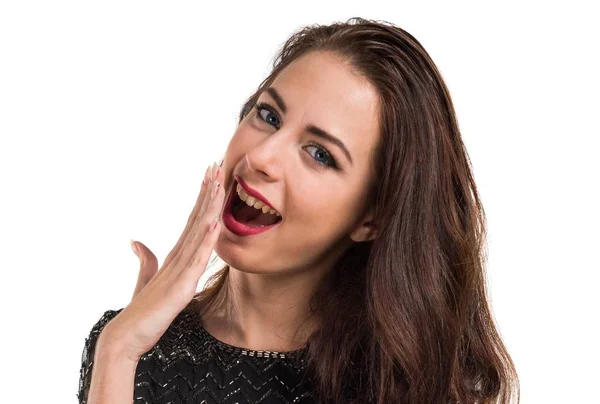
(259, 106)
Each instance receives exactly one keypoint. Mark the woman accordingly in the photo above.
(357, 273)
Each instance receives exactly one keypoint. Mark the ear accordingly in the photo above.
(365, 230)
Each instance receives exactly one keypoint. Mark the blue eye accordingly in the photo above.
(328, 161)
(271, 118)
(264, 107)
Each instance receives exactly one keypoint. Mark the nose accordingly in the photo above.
(264, 160)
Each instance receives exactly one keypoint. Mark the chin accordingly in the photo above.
(232, 254)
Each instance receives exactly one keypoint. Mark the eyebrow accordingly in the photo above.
(310, 128)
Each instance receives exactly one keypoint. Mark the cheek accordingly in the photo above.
(322, 206)
(340, 209)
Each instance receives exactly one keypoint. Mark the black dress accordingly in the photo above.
(189, 365)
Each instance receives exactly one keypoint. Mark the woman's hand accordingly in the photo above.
(160, 295)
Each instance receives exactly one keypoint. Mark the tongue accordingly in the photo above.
(254, 217)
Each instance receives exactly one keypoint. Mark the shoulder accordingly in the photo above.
(103, 320)
(90, 342)
(183, 339)
(185, 320)
(97, 327)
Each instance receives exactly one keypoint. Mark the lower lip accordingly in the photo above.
(236, 227)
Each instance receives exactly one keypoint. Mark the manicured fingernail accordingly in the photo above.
(133, 246)
(213, 223)
(206, 177)
(214, 171)
(215, 188)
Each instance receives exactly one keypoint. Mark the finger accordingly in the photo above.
(218, 177)
(198, 227)
(173, 258)
(193, 216)
(148, 266)
(195, 241)
(197, 266)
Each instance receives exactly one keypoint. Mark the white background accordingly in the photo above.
(110, 112)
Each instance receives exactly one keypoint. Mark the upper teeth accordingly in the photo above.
(255, 203)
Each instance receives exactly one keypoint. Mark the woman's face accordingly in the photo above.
(318, 189)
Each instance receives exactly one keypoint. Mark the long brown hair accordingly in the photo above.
(405, 317)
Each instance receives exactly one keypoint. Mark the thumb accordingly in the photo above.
(148, 265)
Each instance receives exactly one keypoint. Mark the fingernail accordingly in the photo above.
(213, 223)
(215, 188)
(214, 171)
(133, 247)
(206, 177)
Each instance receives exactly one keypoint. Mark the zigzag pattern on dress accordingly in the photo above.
(188, 365)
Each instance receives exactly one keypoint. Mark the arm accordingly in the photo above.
(113, 377)
(149, 314)
(89, 357)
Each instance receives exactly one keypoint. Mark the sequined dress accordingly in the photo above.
(189, 365)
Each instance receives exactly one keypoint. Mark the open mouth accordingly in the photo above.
(243, 219)
(250, 215)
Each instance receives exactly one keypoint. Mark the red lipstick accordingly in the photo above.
(237, 228)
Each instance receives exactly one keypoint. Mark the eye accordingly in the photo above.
(269, 117)
(322, 153)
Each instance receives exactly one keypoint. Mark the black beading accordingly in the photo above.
(189, 365)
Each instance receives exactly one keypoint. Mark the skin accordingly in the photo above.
(273, 273)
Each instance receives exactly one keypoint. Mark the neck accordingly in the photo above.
(265, 312)
(270, 312)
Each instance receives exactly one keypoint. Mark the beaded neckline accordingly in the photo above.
(240, 350)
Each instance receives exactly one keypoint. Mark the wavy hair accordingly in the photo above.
(404, 318)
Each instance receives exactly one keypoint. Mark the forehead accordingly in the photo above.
(319, 89)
